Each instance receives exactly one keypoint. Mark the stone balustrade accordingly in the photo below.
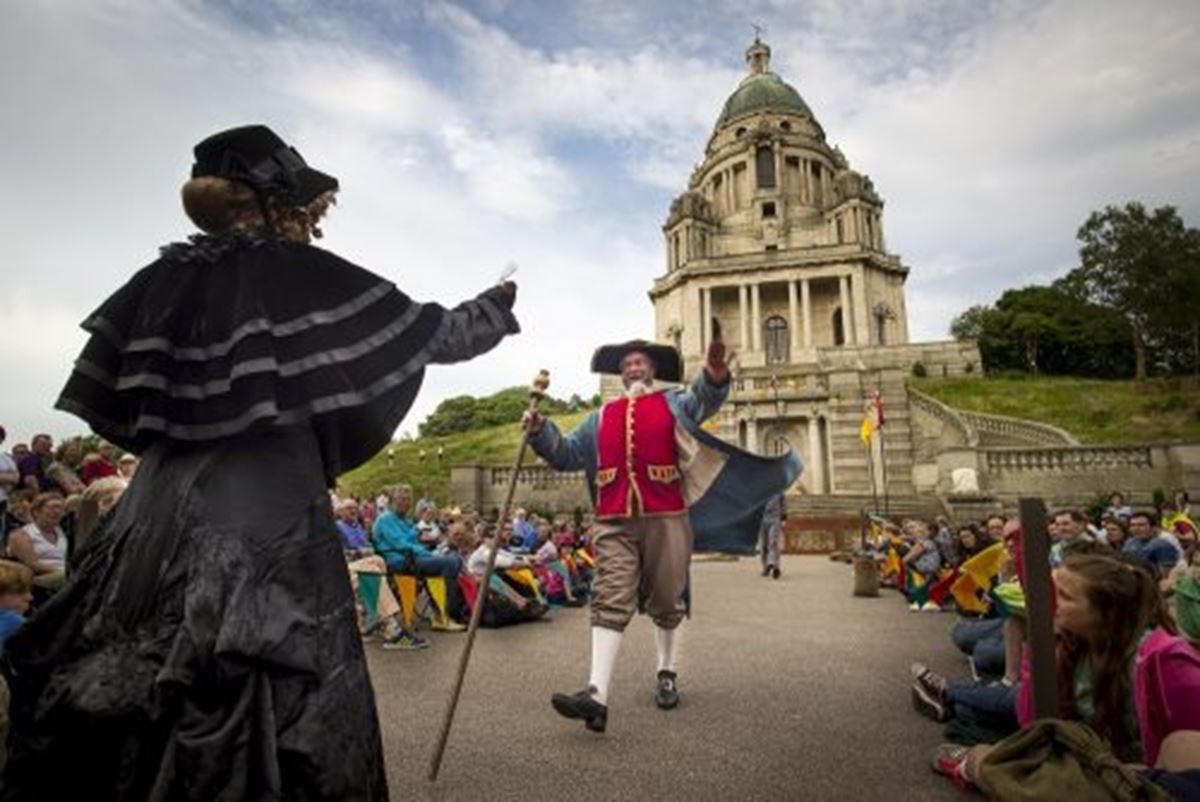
(1068, 459)
(947, 415)
(537, 476)
(1019, 429)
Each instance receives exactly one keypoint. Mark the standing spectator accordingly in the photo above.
(771, 533)
(98, 464)
(33, 467)
(1118, 507)
(1148, 545)
(70, 454)
(994, 526)
(127, 467)
(19, 452)
(10, 477)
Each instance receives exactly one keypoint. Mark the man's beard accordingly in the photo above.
(639, 388)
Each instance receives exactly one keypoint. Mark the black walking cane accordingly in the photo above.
(536, 393)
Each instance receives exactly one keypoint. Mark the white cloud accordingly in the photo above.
(991, 129)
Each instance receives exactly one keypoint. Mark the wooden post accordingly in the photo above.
(1035, 551)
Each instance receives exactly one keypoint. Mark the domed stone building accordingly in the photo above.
(777, 246)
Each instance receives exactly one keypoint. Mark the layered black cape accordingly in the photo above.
(239, 332)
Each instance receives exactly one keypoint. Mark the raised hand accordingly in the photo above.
(717, 366)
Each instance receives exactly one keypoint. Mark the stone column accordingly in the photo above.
(755, 317)
(752, 435)
(847, 312)
(815, 468)
(705, 318)
(793, 319)
(862, 327)
(743, 317)
(806, 309)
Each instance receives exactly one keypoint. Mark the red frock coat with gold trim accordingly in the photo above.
(637, 466)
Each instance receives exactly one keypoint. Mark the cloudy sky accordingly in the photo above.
(555, 134)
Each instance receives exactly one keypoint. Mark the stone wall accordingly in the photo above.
(1071, 475)
(539, 487)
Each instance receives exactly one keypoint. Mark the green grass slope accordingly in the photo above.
(1095, 411)
(493, 446)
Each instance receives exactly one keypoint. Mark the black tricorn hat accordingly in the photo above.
(667, 365)
(255, 155)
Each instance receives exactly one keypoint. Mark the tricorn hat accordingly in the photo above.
(667, 365)
(255, 155)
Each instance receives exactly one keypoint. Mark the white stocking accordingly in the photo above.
(667, 641)
(605, 644)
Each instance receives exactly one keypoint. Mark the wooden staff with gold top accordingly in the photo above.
(537, 392)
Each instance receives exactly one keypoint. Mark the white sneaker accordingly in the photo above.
(914, 608)
(931, 607)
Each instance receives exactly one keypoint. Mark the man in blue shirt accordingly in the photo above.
(397, 540)
(1146, 544)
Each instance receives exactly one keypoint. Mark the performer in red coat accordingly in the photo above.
(649, 465)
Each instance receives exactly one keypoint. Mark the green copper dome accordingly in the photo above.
(761, 91)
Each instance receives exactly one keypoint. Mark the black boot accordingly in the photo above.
(582, 705)
(667, 695)
(775, 572)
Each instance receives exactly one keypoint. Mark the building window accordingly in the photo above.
(814, 172)
(777, 339)
(839, 328)
(881, 328)
(739, 133)
(675, 249)
(841, 230)
(768, 209)
(776, 442)
(764, 161)
(785, 125)
(772, 248)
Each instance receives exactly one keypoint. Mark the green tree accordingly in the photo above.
(1048, 330)
(1138, 263)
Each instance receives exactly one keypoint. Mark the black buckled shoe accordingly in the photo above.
(582, 705)
(667, 695)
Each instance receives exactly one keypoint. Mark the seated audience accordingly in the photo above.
(1146, 543)
(368, 578)
(1105, 607)
(41, 544)
(395, 538)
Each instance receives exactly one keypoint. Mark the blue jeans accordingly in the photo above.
(980, 701)
(983, 640)
(447, 565)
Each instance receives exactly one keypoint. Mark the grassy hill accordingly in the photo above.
(496, 445)
(1094, 411)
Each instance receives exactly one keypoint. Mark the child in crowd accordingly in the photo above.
(16, 592)
(921, 563)
(1105, 606)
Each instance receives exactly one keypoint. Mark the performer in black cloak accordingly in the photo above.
(205, 645)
